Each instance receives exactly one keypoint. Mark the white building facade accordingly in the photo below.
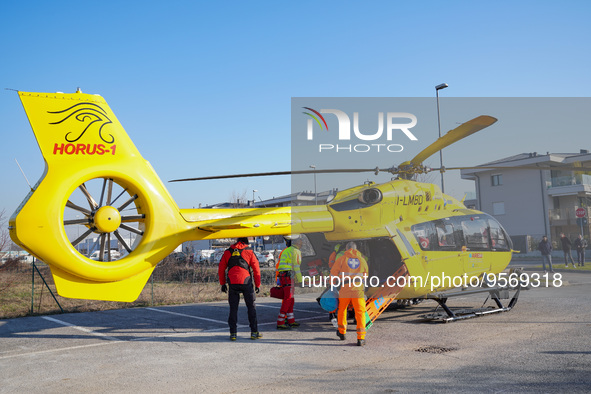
(535, 202)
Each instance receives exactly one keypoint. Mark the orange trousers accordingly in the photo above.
(359, 306)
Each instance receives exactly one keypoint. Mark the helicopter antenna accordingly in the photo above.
(28, 183)
(262, 202)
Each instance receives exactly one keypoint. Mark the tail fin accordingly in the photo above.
(71, 127)
(82, 140)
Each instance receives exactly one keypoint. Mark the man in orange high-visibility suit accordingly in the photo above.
(349, 266)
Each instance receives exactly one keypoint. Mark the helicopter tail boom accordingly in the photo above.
(254, 222)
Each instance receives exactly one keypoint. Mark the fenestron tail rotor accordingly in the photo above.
(114, 214)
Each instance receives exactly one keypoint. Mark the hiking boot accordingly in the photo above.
(255, 335)
(282, 327)
(342, 336)
(294, 324)
(361, 342)
(232, 336)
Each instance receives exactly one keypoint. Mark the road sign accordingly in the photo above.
(581, 212)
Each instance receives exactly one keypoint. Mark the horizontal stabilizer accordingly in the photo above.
(127, 290)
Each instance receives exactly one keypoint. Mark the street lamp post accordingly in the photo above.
(437, 89)
(78, 227)
(253, 200)
(315, 194)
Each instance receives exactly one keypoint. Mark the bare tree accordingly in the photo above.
(238, 199)
(4, 234)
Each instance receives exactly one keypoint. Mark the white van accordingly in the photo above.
(114, 255)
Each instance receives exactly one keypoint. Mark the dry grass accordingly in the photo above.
(172, 284)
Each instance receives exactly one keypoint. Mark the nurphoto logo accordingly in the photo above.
(394, 126)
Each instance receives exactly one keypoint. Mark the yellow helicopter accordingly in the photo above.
(408, 229)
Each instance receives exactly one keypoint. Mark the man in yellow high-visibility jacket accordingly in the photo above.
(338, 252)
(350, 265)
(288, 272)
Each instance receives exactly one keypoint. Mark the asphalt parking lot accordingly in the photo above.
(541, 345)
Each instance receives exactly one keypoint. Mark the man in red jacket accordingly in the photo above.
(239, 261)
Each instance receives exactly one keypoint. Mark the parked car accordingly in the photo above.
(200, 258)
(265, 259)
(27, 258)
(178, 257)
(114, 255)
(216, 256)
(270, 256)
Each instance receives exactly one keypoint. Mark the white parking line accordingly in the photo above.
(61, 349)
(115, 340)
(86, 330)
(296, 310)
(304, 319)
(193, 317)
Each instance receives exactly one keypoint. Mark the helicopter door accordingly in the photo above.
(403, 247)
(383, 258)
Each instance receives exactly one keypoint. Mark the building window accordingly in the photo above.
(498, 208)
(496, 179)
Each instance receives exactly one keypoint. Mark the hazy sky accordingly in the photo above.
(533, 124)
(205, 88)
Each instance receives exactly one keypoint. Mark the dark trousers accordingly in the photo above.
(234, 300)
(581, 256)
(567, 254)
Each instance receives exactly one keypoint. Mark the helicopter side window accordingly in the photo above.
(445, 236)
(425, 235)
(497, 236)
(476, 233)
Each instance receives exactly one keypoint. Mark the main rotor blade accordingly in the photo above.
(301, 172)
(462, 131)
(527, 167)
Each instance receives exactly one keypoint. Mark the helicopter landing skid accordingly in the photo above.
(495, 293)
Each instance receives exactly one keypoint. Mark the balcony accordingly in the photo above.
(568, 185)
(563, 216)
(569, 190)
